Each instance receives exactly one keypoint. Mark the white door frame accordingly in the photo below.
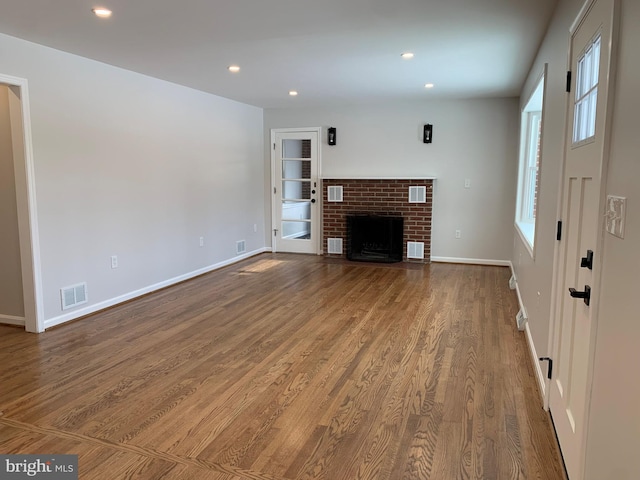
(274, 176)
(26, 202)
(556, 303)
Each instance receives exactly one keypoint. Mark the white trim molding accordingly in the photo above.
(27, 207)
(11, 320)
(472, 261)
(542, 382)
(52, 322)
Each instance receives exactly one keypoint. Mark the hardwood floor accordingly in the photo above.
(288, 367)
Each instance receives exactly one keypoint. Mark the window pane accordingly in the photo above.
(531, 199)
(593, 100)
(292, 190)
(586, 72)
(296, 148)
(531, 129)
(297, 169)
(584, 117)
(296, 210)
(596, 63)
(531, 182)
(296, 230)
(577, 122)
(580, 80)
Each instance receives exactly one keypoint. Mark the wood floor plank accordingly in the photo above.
(286, 367)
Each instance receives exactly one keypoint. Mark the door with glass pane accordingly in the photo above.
(295, 191)
(578, 267)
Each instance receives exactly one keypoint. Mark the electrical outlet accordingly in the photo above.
(458, 234)
(114, 261)
(467, 183)
(202, 241)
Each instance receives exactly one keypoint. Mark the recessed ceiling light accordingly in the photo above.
(293, 93)
(102, 12)
(407, 55)
(234, 68)
(429, 85)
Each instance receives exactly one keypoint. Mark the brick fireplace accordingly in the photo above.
(385, 197)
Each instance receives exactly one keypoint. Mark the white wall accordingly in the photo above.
(614, 426)
(136, 167)
(474, 139)
(11, 297)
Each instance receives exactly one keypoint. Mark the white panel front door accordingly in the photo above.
(582, 206)
(296, 191)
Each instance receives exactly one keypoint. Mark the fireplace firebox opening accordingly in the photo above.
(374, 238)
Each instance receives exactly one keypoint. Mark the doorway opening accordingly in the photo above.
(21, 274)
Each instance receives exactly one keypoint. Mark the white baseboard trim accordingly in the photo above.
(542, 383)
(520, 302)
(12, 320)
(52, 322)
(472, 261)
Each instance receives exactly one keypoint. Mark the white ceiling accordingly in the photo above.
(330, 51)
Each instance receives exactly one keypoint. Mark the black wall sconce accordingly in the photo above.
(427, 135)
(331, 136)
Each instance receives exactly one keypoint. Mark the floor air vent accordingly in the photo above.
(334, 246)
(73, 296)
(241, 247)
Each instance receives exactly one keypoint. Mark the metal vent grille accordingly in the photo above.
(241, 247)
(334, 246)
(73, 296)
(521, 319)
(415, 250)
(417, 194)
(334, 193)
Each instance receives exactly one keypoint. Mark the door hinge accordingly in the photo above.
(559, 231)
(568, 81)
(550, 368)
(274, 146)
(274, 190)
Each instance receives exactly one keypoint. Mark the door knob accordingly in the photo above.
(586, 295)
(587, 262)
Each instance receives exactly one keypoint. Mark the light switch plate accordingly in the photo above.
(616, 209)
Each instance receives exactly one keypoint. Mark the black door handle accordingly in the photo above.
(313, 200)
(587, 262)
(586, 295)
